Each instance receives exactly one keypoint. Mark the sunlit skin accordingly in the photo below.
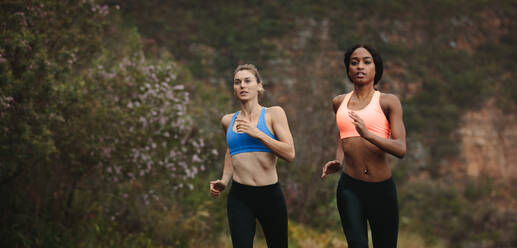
(254, 168)
(365, 156)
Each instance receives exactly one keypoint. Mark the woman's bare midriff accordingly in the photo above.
(255, 168)
(364, 161)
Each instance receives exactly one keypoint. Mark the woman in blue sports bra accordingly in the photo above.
(256, 136)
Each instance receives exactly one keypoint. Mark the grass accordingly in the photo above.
(301, 236)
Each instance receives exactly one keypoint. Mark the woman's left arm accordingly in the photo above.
(284, 146)
(396, 145)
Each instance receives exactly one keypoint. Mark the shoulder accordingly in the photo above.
(389, 99)
(275, 112)
(226, 119)
(337, 100)
(390, 103)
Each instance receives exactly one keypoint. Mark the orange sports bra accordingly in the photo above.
(372, 115)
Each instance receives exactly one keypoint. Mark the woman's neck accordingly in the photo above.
(363, 91)
(250, 107)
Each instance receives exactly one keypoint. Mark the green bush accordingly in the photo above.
(98, 143)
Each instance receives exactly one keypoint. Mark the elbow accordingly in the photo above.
(401, 153)
(290, 156)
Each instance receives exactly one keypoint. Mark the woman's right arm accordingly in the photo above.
(335, 165)
(339, 150)
(217, 186)
(227, 169)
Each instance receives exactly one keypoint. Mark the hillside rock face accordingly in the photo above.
(489, 143)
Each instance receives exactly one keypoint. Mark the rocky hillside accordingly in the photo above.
(488, 140)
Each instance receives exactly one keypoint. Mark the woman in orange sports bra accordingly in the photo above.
(370, 126)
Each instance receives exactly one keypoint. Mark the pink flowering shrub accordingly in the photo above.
(152, 137)
(92, 134)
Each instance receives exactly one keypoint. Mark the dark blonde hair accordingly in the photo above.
(254, 71)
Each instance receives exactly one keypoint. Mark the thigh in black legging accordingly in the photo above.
(273, 218)
(242, 221)
(352, 216)
(383, 216)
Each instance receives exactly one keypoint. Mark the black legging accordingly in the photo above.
(265, 203)
(359, 201)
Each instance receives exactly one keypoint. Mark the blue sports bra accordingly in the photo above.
(241, 142)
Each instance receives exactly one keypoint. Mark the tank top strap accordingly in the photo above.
(262, 119)
(346, 99)
(376, 97)
(233, 120)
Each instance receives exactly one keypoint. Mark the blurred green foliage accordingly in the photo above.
(98, 143)
(465, 219)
